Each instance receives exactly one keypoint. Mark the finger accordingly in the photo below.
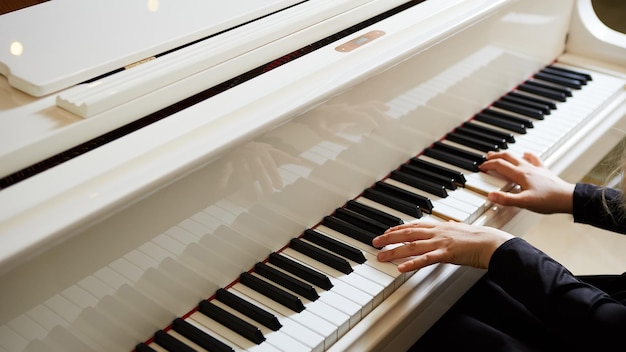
(401, 235)
(533, 159)
(509, 170)
(406, 250)
(423, 224)
(421, 261)
(507, 156)
(507, 199)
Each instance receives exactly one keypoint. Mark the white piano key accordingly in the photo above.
(185, 340)
(478, 181)
(292, 325)
(404, 217)
(298, 325)
(306, 317)
(277, 338)
(157, 348)
(350, 309)
(332, 318)
(446, 208)
(385, 274)
(341, 285)
(219, 332)
(370, 254)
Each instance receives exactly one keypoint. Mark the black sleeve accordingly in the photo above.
(572, 309)
(599, 206)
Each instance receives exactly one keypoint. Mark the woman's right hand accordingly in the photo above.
(541, 191)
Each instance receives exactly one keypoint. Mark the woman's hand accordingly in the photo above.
(427, 243)
(541, 190)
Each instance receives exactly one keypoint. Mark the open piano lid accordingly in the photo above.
(58, 44)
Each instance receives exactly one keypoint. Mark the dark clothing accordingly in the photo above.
(529, 302)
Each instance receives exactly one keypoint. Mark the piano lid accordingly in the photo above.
(57, 44)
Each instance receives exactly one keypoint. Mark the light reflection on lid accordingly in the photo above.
(16, 48)
(153, 5)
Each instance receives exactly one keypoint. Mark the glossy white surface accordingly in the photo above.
(34, 129)
(217, 187)
(57, 44)
(591, 38)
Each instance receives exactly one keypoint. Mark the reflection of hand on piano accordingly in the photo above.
(541, 190)
(447, 242)
(331, 119)
(256, 162)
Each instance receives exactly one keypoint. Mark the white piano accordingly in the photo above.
(153, 152)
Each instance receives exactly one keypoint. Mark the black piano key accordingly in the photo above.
(472, 142)
(232, 321)
(507, 125)
(248, 309)
(534, 98)
(305, 290)
(422, 202)
(564, 81)
(304, 272)
(275, 293)
(470, 165)
(544, 108)
(528, 123)
(393, 203)
(519, 109)
(142, 347)
(170, 343)
(199, 337)
(349, 229)
(322, 256)
(551, 86)
(439, 179)
(374, 213)
(361, 221)
(500, 142)
(457, 176)
(334, 246)
(419, 183)
(546, 93)
(563, 72)
(479, 158)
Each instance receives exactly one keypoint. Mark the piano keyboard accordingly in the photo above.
(307, 295)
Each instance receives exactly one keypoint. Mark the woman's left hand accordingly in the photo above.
(427, 243)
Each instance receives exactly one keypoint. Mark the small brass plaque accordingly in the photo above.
(360, 41)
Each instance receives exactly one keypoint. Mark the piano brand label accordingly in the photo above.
(359, 41)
